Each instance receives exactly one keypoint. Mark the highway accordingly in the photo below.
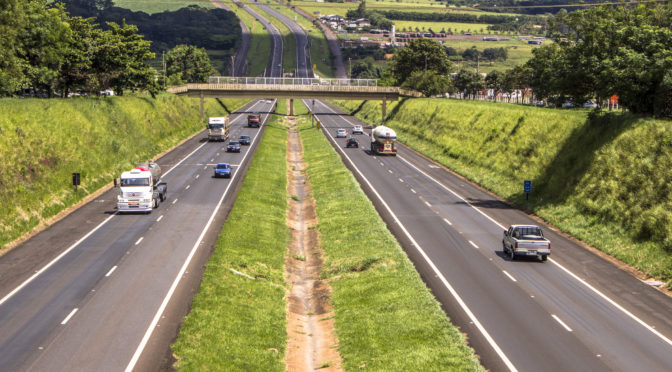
(96, 306)
(274, 66)
(576, 312)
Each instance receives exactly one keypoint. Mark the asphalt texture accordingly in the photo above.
(575, 312)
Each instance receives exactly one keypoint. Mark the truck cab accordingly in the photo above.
(254, 120)
(218, 128)
(140, 189)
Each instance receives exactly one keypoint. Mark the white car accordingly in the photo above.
(357, 129)
(590, 104)
(341, 133)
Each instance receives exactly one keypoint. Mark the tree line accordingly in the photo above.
(47, 51)
(598, 52)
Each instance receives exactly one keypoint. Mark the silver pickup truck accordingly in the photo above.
(526, 240)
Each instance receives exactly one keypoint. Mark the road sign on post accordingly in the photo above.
(75, 180)
(527, 188)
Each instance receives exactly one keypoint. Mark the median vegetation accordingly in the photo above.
(602, 177)
(42, 142)
(385, 317)
(237, 319)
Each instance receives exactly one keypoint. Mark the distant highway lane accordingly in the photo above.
(102, 303)
(576, 312)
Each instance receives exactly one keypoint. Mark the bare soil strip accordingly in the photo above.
(312, 342)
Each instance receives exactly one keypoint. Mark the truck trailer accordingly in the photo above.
(140, 189)
(218, 128)
(382, 141)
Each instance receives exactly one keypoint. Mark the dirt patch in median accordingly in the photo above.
(312, 342)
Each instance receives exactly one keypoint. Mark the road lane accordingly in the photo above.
(527, 318)
(114, 310)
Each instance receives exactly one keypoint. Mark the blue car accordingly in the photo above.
(222, 170)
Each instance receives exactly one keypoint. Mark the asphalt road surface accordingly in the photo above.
(274, 67)
(575, 312)
(118, 285)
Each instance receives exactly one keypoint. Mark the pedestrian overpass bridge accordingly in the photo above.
(292, 88)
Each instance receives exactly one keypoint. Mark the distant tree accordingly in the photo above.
(429, 83)
(468, 82)
(450, 51)
(420, 55)
(495, 81)
(471, 54)
(361, 10)
(189, 63)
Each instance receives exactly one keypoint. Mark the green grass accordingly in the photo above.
(151, 7)
(403, 5)
(320, 55)
(288, 40)
(237, 323)
(605, 179)
(385, 317)
(260, 41)
(43, 141)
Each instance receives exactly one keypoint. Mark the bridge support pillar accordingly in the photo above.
(291, 107)
(202, 103)
(384, 110)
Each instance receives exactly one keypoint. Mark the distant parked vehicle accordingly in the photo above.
(568, 105)
(525, 240)
(590, 104)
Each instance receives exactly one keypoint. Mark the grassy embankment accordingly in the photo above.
(260, 41)
(288, 39)
(236, 322)
(43, 141)
(320, 54)
(385, 317)
(604, 179)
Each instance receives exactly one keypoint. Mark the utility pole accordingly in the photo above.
(350, 67)
(163, 64)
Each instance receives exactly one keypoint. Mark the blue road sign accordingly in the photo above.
(527, 187)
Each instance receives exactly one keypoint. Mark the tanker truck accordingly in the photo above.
(382, 141)
(140, 189)
(218, 128)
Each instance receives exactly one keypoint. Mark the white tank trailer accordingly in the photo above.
(382, 141)
(140, 189)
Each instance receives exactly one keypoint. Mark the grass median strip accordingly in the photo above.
(237, 320)
(386, 318)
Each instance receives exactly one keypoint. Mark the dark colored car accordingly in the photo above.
(222, 170)
(352, 142)
(244, 140)
(234, 146)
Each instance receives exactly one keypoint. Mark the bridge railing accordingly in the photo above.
(293, 81)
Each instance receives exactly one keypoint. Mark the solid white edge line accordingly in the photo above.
(561, 323)
(509, 275)
(173, 287)
(67, 318)
(27, 281)
(595, 290)
(474, 244)
(614, 303)
(436, 270)
(139, 240)
(576, 277)
(111, 271)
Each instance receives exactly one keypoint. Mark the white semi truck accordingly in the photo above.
(382, 141)
(140, 189)
(218, 128)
